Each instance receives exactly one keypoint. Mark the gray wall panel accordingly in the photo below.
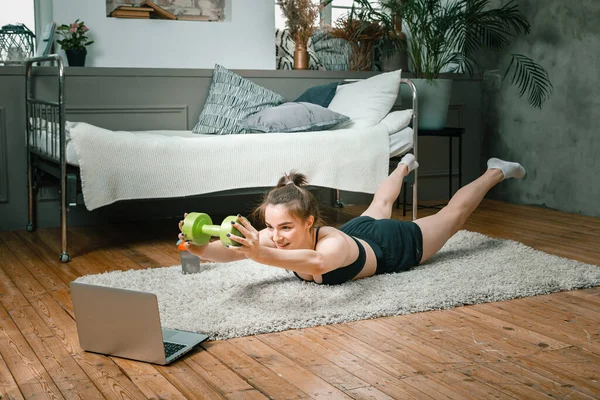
(13, 207)
(148, 117)
(3, 159)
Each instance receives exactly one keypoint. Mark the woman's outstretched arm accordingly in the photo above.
(214, 251)
(303, 261)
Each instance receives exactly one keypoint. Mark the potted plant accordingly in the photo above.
(300, 18)
(446, 36)
(362, 29)
(390, 48)
(74, 41)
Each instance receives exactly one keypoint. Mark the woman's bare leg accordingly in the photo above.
(389, 190)
(438, 228)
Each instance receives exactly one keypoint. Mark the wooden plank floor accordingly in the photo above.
(532, 348)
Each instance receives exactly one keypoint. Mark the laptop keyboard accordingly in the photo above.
(172, 348)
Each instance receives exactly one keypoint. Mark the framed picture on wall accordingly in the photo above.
(177, 10)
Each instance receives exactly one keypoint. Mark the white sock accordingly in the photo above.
(409, 161)
(509, 169)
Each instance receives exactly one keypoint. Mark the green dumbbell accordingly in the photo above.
(198, 228)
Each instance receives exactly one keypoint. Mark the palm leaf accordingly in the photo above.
(447, 34)
(462, 62)
(531, 78)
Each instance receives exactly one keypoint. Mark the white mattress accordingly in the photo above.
(400, 142)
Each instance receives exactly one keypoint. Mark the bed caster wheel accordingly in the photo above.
(64, 257)
(198, 228)
(340, 204)
(30, 228)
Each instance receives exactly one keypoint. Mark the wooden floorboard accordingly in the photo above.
(532, 348)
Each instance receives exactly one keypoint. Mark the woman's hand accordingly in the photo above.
(250, 243)
(187, 244)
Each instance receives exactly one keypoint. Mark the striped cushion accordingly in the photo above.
(231, 99)
(333, 52)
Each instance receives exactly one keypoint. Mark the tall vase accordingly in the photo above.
(76, 57)
(399, 58)
(300, 56)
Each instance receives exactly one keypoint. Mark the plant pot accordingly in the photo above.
(76, 57)
(300, 56)
(395, 62)
(398, 59)
(434, 98)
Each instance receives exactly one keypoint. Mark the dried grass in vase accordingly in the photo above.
(300, 18)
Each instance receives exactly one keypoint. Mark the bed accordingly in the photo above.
(109, 166)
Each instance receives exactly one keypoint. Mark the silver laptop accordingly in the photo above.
(126, 323)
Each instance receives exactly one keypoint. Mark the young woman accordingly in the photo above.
(296, 240)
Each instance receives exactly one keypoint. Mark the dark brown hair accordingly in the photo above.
(291, 191)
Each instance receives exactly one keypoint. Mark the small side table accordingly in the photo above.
(450, 133)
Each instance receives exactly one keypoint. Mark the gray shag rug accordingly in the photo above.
(245, 298)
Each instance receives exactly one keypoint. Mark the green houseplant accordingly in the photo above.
(74, 41)
(391, 47)
(448, 35)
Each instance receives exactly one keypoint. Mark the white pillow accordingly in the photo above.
(367, 101)
(397, 120)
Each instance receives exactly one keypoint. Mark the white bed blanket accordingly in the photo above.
(120, 165)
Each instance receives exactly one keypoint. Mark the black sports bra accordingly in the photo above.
(347, 273)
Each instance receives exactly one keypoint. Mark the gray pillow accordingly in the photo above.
(231, 99)
(293, 117)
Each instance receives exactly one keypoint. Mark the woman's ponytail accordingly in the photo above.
(291, 191)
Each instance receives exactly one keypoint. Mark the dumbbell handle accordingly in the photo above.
(212, 230)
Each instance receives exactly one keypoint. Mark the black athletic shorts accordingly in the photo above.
(400, 242)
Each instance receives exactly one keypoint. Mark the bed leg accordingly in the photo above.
(338, 201)
(415, 206)
(64, 255)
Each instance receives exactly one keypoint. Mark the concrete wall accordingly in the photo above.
(245, 39)
(558, 145)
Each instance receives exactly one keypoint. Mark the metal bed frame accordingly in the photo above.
(52, 159)
(55, 150)
(415, 127)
